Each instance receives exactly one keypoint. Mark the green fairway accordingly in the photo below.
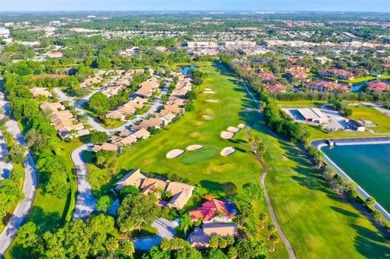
(318, 223)
(205, 166)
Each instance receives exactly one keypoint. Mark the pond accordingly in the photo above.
(185, 70)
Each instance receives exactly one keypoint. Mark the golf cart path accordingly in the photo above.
(284, 238)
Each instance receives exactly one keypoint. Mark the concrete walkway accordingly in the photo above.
(348, 142)
(29, 186)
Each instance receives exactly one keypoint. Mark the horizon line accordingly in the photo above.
(217, 11)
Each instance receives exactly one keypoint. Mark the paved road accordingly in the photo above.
(356, 141)
(86, 202)
(29, 186)
(5, 167)
(165, 229)
(97, 126)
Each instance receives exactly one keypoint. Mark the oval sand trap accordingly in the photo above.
(227, 151)
(227, 134)
(208, 117)
(209, 92)
(174, 153)
(194, 147)
(212, 101)
(233, 129)
(241, 126)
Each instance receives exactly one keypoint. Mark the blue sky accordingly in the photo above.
(158, 5)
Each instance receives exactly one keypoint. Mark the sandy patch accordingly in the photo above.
(194, 147)
(209, 92)
(194, 134)
(174, 153)
(208, 117)
(212, 101)
(208, 89)
(227, 134)
(227, 151)
(233, 129)
(241, 126)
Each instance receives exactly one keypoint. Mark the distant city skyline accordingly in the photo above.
(196, 5)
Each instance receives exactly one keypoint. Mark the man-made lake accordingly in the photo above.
(368, 166)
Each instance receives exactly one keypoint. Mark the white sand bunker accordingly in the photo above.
(227, 151)
(227, 134)
(241, 126)
(174, 153)
(208, 117)
(212, 101)
(233, 129)
(209, 92)
(194, 147)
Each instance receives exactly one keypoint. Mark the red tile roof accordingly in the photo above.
(276, 88)
(378, 86)
(208, 210)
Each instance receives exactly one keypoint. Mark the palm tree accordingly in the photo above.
(263, 217)
(271, 227)
(274, 239)
(185, 223)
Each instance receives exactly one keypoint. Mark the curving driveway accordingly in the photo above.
(165, 229)
(29, 186)
(85, 202)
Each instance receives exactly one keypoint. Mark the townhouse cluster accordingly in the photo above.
(66, 124)
(179, 193)
(170, 111)
(138, 100)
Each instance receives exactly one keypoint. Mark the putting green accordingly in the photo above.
(199, 156)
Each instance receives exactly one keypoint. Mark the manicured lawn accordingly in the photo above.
(318, 223)
(378, 118)
(205, 167)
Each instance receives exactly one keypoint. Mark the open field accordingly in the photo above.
(205, 166)
(318, 223)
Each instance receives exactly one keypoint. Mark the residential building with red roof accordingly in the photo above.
(337, 73)
(267, 77)
(276, 88)
(210, 210)
(377, 86)
(323, 86)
